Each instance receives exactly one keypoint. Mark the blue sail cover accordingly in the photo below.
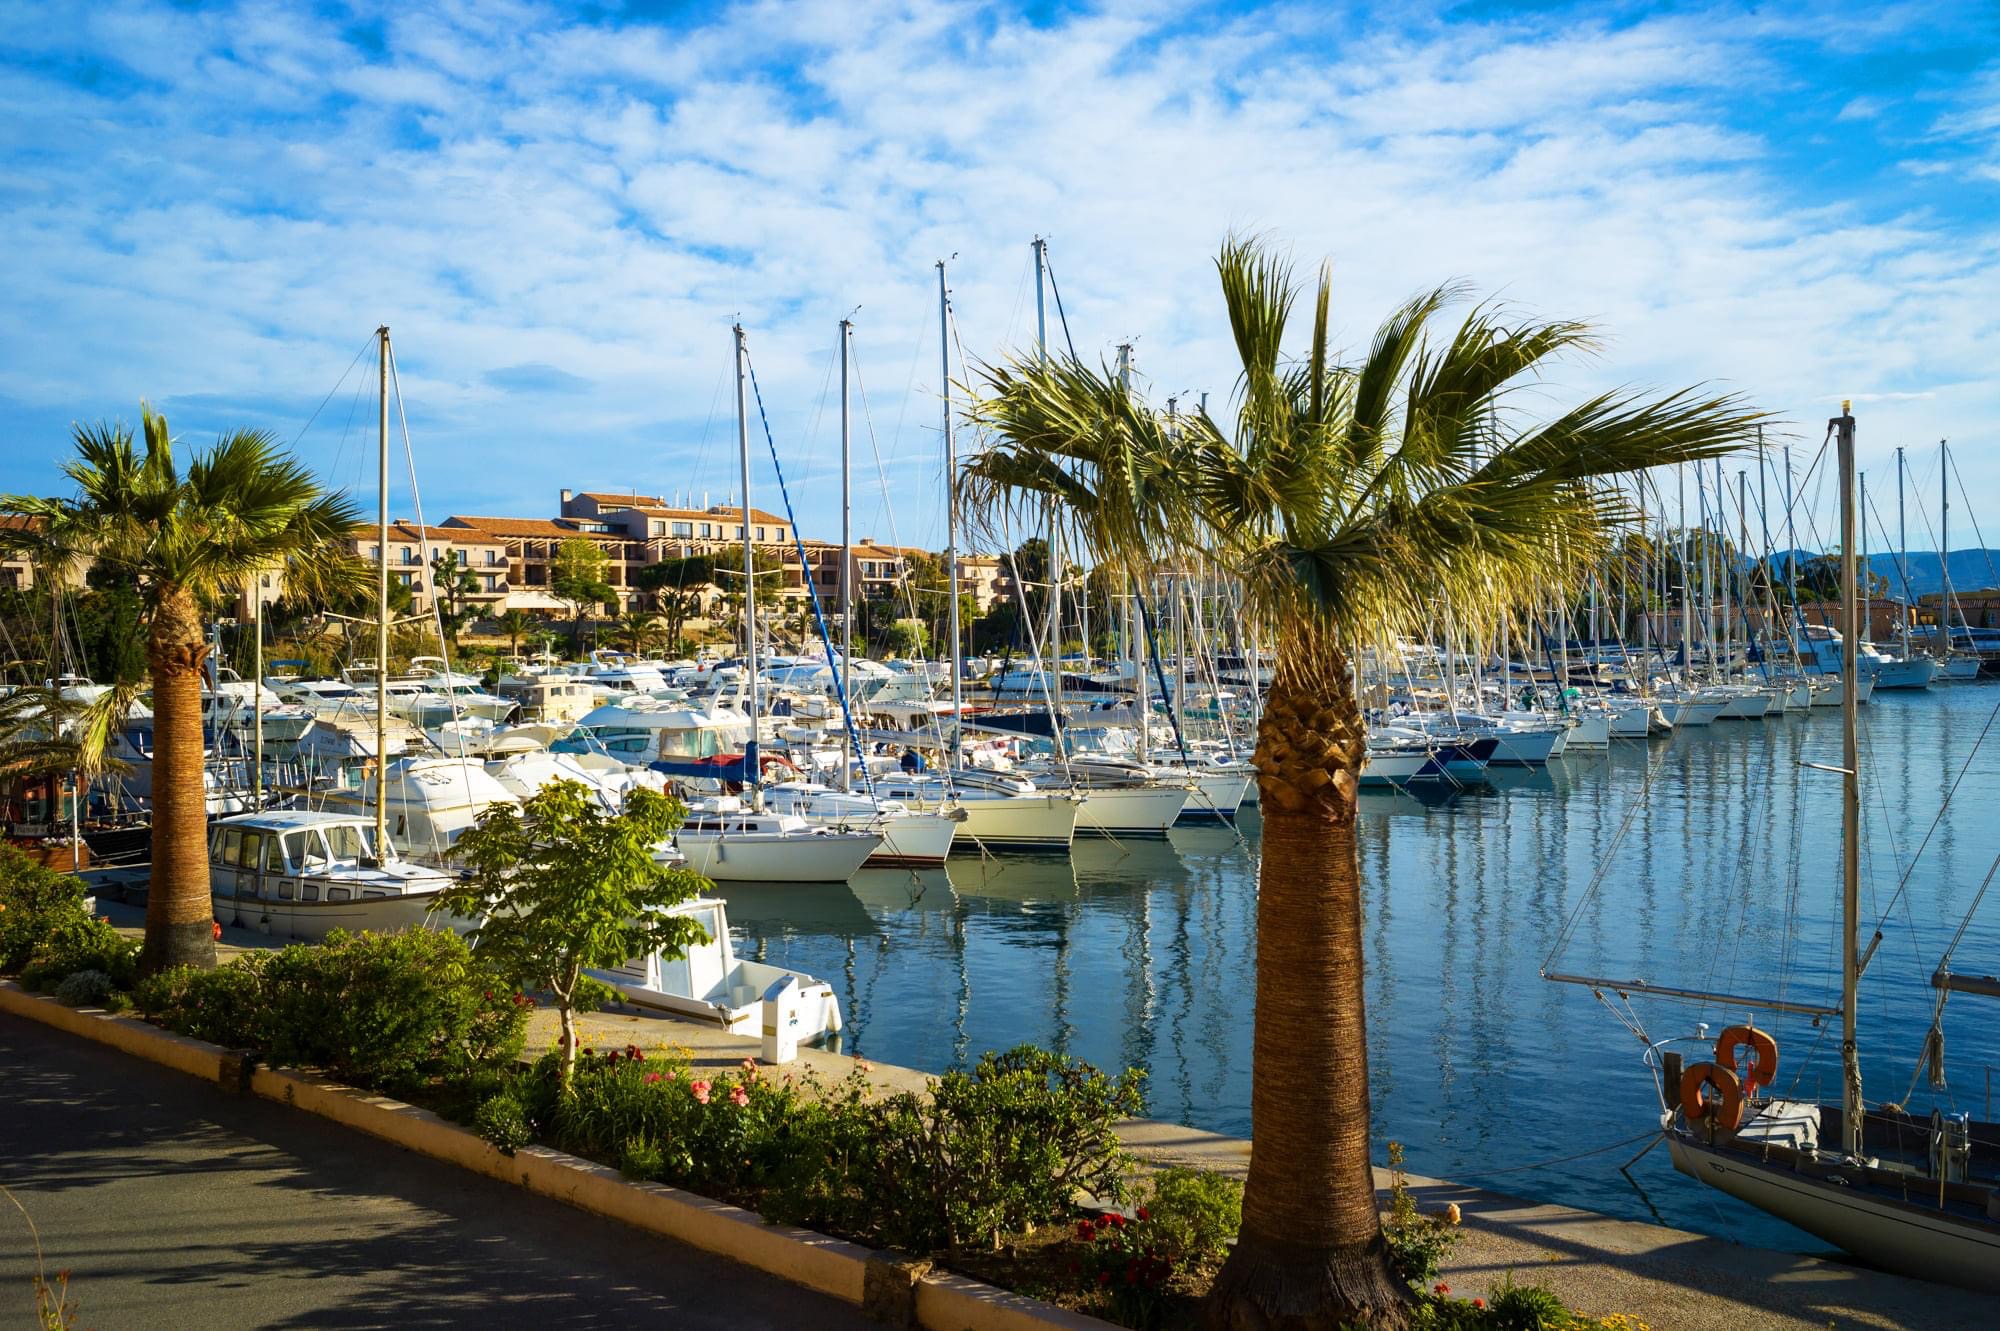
(738, 767)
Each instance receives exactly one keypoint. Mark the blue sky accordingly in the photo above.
(560, 209)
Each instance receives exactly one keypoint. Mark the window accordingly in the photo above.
(348, 842)
(492, 558)
(658, 528)
(409, 554)
(229, 845)
(683, 529)
(707, 529)
(251, 851)
(760, 533)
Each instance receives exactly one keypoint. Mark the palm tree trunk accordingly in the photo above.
(180, 920)
(1311, 1252)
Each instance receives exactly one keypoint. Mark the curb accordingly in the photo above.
(940, 1300)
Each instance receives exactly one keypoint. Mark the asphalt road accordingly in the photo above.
(174, 1205)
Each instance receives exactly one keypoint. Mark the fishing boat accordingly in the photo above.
(296, 873)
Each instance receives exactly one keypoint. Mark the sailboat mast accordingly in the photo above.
(256, 690)
(1054, 689)
(750, 774)
(950, 517)
(1863, 479)
(1903, 554)
(1850, 793)
(846, 542)
(1944, 542)
(382, 603)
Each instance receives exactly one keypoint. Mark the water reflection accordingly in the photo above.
(1708, 858)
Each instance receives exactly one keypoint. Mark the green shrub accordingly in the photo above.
(223, 1006)
(1194, 1214)
(641, 1160)
(1001, 1149)
(392, 1011)
(1418, 1243)
(86, 989)
(1526, 1308)
(76, 944)
(33, 900)
(502, 1122)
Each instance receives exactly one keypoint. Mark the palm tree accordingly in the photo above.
(514, 623)
(1349, 500)
(639, 629)
(238, 508)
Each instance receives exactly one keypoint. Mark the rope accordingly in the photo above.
(1604, 861)
(1565, 1159)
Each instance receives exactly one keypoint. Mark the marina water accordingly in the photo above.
(1709, 859)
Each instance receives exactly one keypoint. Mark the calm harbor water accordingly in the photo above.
(1720, 866)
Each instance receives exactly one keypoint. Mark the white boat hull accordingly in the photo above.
(915, 839)
(312, 921)
(1899, 1237)
(1914, 672)
(1131, 811)
(1591, 731)
(769, 857)
(1030, 822)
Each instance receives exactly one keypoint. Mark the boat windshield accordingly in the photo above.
(348, 842)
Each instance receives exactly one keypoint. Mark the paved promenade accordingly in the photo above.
(176, 1206)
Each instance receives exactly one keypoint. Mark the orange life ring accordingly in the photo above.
(1725, 1111)
(1763, 1055)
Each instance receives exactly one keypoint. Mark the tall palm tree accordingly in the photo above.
(184, 534)
(1349, 500)
(514, 623)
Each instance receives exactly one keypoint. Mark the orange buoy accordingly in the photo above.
(1763, 1055)
(1725, 1110)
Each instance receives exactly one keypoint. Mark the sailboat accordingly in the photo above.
(1920, 1198)
(723, 838)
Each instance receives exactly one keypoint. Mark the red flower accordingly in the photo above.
(1479, 1303)
(1442, 1290)
(1103, 1277)
(1143, 1214)
(652, 1077)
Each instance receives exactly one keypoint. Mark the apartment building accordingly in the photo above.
(412, 547)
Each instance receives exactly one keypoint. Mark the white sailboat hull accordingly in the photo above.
(1218, 794)
(1905, 1238)
(1591, 731)
(1032, 822)
(1915, 672)
(1133, 811)
(916, 839)
(770, 857)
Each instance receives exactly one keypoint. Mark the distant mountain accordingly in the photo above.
(1971, 570)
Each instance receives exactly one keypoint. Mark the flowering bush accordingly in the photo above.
(1418, 1243)
(1122, 1265)
(1194, 1215)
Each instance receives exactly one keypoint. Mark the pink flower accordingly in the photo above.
(652, 1077)
(671, 1075)
(738, 1096)
(700, 1089)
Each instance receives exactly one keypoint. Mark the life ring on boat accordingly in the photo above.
(1763, 1055)
(1724, 1112)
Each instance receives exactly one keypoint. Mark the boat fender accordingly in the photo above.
(1763, 1055)
(1724, 1113)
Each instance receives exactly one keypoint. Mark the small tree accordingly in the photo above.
(561, 887)
(454, 584)
(576, 574)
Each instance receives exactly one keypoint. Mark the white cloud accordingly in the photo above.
(513, 191)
